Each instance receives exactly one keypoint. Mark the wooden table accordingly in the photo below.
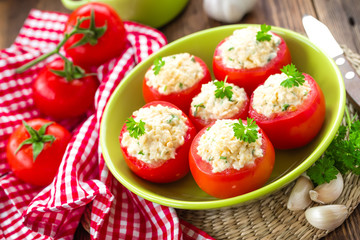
(341, 16)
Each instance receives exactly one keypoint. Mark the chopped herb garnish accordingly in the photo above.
(181, 85)
(295, 78)
(141, 153)
(247, 133)
(222, 91)
(158, 63)
(193, 59)
(231, 59)
(231, 48)
(285, 107)
(223, 157)
(201, 105)
(172, 118)
(263, 35)
(165, 87)
(210, 159)
(136, 129)
(208, 129)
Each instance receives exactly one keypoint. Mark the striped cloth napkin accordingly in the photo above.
(83, 180)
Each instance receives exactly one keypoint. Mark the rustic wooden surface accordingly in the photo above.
(341, 16)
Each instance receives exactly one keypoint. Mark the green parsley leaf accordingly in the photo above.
(158, 63)
(222, 91)
(223, 157)
(263, 35)
(295, 78)
(285, 107)
(247, 133)
(323, 171)
(136, 129)
(201, 105)
(343, 154)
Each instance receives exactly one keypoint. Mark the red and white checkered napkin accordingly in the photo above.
(28, 212)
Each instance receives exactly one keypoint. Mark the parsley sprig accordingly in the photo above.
(158, 63)
(136, 129)
(247, 133)
(343, 154)
(263, 35)
(222, 90)
(295, 78)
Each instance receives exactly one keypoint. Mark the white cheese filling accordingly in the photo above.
(242, 50)
(220, 148)
(165, 130)
(271, 97)
(179, 72)
(206, 106)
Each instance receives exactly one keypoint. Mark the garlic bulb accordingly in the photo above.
(299, 197)
(228, 11)
(328, 192)
(326, 217)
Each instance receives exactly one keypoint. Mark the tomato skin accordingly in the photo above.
(200, 123)
(221, 184)
(43, 170)
(169, 171)
(109, 45)
(249, 79)
(288, 130)
(180, 99)
(56, 97)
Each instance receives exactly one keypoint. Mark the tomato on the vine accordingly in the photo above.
(56, 94)
(231, 182)
(166, 170)
(35, 150)
(295, 128)
(108, 41)
(250, 78)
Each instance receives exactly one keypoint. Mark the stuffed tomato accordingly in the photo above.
(231, 157)
(175, 79)
(218, 100)
(155, 142)
(290, 115)
(249, 56)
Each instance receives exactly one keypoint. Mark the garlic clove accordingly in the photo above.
(326, 217)
(299, 197)
(328, 192)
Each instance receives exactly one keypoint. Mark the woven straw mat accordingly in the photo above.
(267, 218)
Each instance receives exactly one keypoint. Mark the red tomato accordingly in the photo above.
(231, 182)
(108, 46)
(56, 97)
(200, 123)
(249, 79)
(181, 99)
(43, 169)
(170, 170)
(294, 129)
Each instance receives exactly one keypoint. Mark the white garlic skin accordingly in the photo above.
(328, 192)
(299, 198)
(326, 217)
(228, 11)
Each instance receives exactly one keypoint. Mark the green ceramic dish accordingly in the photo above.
(185, 194)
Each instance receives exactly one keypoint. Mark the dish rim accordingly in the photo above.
(253, 195)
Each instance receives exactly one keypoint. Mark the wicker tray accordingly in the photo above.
(267, 218)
